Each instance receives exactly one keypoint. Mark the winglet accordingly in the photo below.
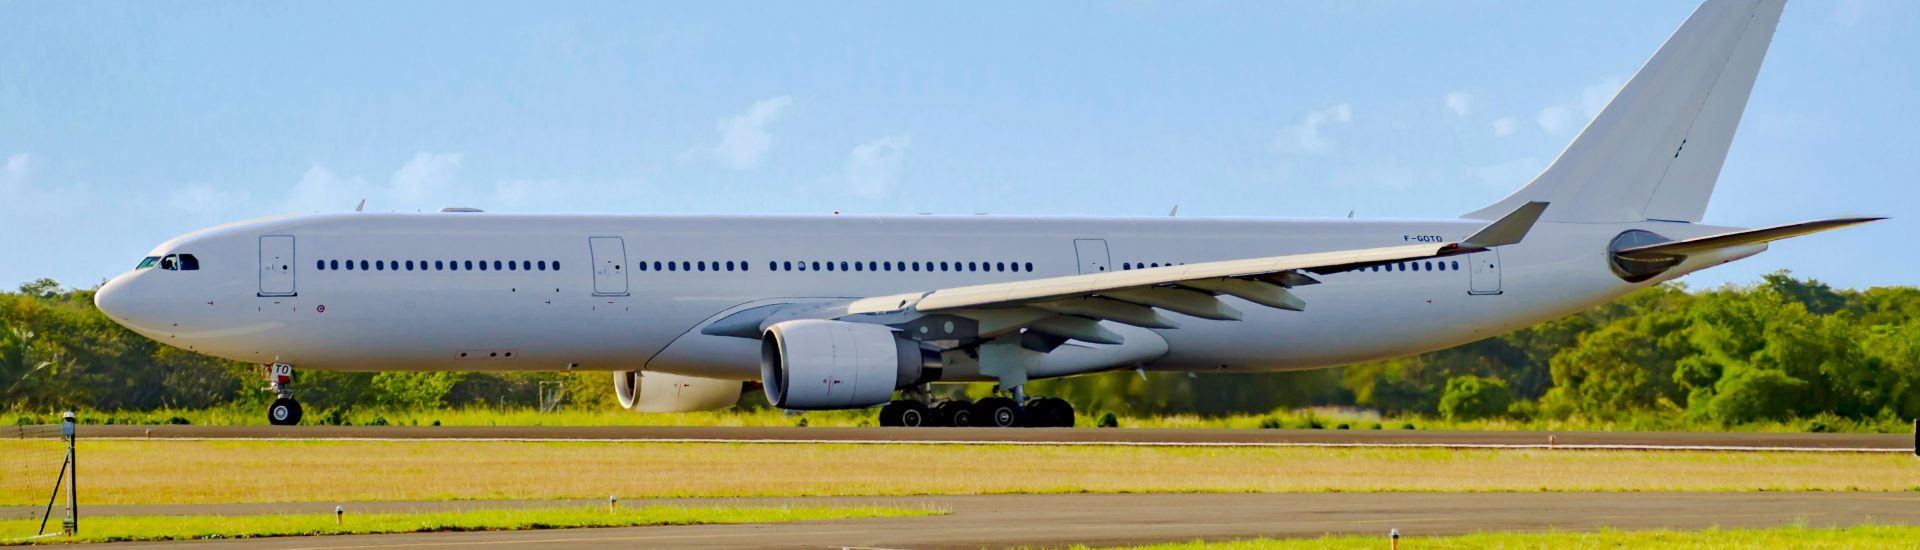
(1508, 229)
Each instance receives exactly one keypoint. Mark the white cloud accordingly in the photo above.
(1508, 175)
(202, 198)
(1559, 119)
(1505, 126)
(744, 140)
(319, 189)
(13, 179)
(871, 167)
(1555, 119)
(1305, 137)
(1460, 102)
(426, 176)
(1595, 97)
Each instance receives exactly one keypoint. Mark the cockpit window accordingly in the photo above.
(172, 262)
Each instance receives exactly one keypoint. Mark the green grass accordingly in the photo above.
(1316, 418)
(151, 528)
(1864, 536)
(164, 471)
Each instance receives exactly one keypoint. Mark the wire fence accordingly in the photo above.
(30, 460)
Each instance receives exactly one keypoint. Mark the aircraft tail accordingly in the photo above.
(1655, 151)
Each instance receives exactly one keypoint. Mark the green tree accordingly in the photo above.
(1474, 397)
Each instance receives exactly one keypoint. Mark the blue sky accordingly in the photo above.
(123, 124)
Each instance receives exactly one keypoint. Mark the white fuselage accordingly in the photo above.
(276, 290)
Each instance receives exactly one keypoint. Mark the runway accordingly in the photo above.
(1120, 519)
(1716, 441)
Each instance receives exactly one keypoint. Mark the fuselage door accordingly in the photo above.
(1485, 269)
(276, 265)
(1093, 255)
(609, 265)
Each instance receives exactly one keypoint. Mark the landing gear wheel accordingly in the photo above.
(905, 413)
(284, 412)
(1050, 412)
(956, 413)
(997, 412)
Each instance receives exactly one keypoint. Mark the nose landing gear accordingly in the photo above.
(285, 410)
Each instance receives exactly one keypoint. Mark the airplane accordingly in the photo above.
(688, 312)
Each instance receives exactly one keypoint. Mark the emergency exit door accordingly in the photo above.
(609, 265)
(1485, 271)
(276, 265)
(1093, 255)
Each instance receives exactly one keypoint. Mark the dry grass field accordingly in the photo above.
(185, 471)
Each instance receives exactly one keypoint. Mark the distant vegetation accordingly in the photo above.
(1783, 351)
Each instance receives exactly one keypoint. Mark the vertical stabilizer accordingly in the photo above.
(1655, 151)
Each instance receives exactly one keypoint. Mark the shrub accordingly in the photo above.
(1473, 397)
(1108, 420)
(1269, 423)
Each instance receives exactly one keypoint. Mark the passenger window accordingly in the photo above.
(843, 266)
(787, 266)
(672, 266)
(703, 265)
(999, 266)
(916, 266)
(1029, 267)
(772, 266)
(873, 266)
(886, 266)
(729, 265)
(1456, 266)
(829, 266)
(858, 267)
(642, 265)
(743, 265)
(320, 265)
(437, 265)
(816, 266)
(542, 264)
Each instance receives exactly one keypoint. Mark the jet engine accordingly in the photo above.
(816, 364)
(659, 392)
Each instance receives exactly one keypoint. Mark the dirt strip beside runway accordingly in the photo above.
(1738, 441)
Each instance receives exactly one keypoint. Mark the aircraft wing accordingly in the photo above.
(1132, 296)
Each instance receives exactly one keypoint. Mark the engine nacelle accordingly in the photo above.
(815, 364)
(659, 392)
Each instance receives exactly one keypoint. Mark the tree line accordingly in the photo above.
(1779, 349)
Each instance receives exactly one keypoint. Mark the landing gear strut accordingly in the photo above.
(285, 410)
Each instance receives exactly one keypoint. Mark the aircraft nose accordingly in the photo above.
(112, 299)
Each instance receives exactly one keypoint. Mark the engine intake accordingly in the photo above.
(813, 364)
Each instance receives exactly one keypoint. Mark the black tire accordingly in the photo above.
(997, 412)
(956, 413)
(909, 414)
(283, 412)
(1050, 412)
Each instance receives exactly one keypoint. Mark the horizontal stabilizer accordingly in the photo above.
(1509, 229)
(1724, 240)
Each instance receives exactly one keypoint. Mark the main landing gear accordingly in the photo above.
(285, 410)
(999, 412)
